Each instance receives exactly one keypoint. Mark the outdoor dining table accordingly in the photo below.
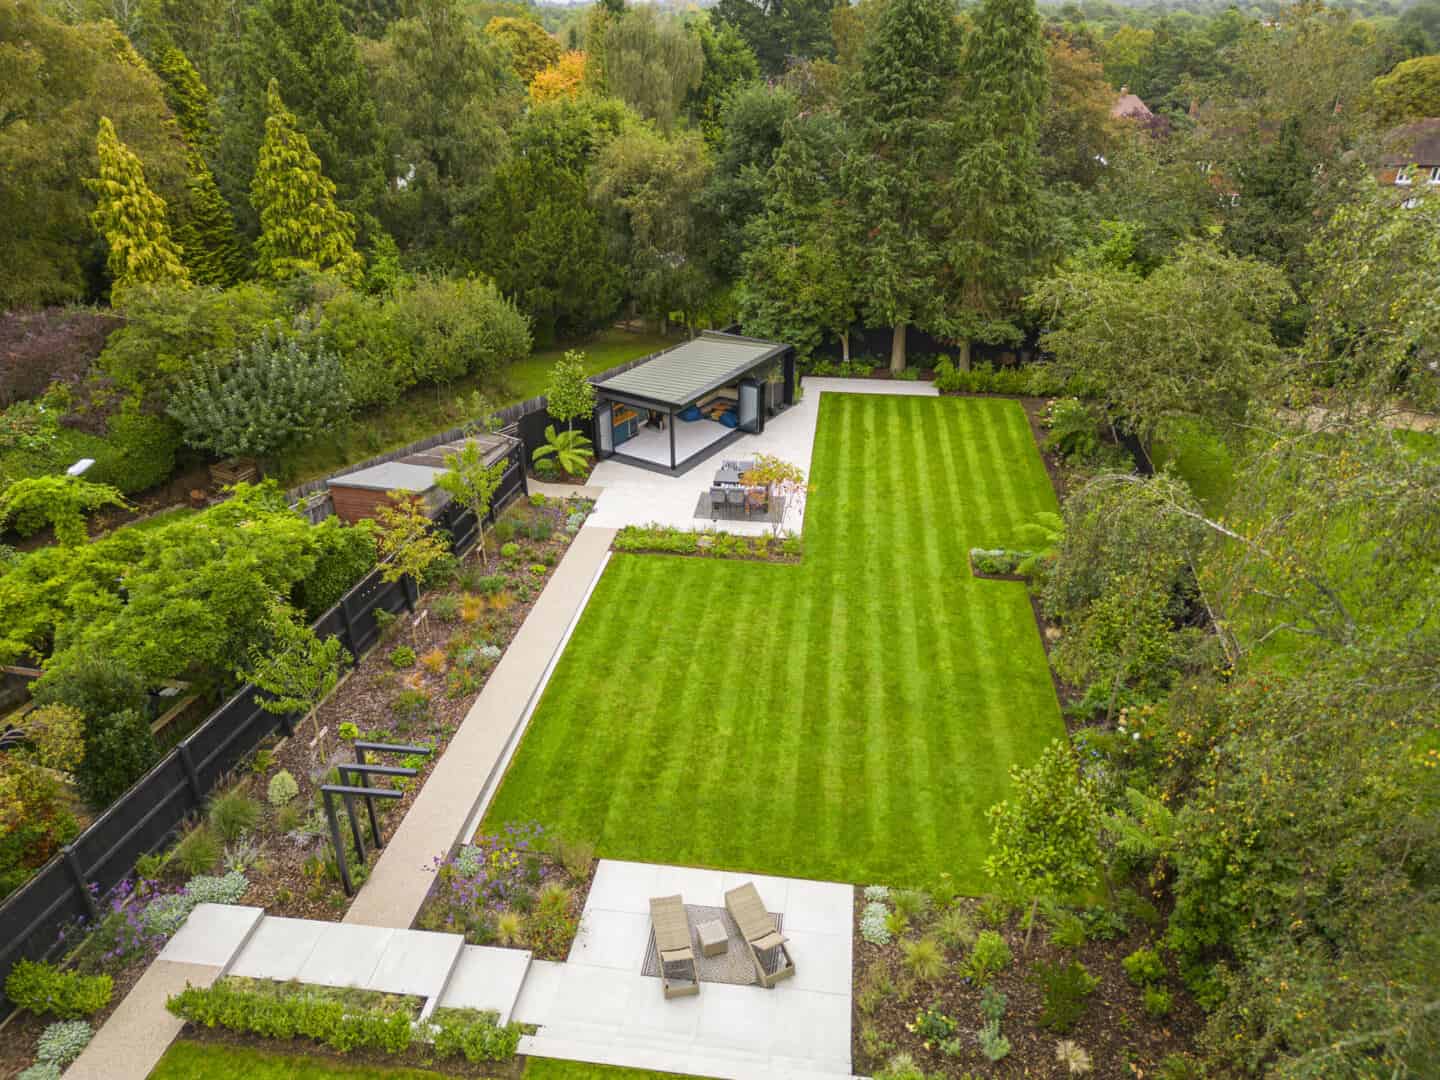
(729, 474)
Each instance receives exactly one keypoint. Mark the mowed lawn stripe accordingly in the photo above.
(850, 718)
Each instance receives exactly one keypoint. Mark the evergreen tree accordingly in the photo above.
(898, 109)
(131, 218)
(304, 46)
(301, 229)
(994, 193)
(205, 225)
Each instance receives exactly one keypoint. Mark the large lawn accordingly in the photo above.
(850, 718)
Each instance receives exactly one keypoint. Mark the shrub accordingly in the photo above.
(198, 852)
(1144, 966)
(912, 903)
(875, 924)
(990, 956)
(901, 1067)
(508, 551)
(165, 915)
(233, 814)
(956, 929)
(440, 573)
(993, 1044)
(282, 788)
(492, 584)
(434, 661)
(897, 924)
(140, 450)
(945, 892)
(1103, 924)
(119, 749)
(1157, 1002)
(924, 959)
(932, 1025)
(873, 893)
(474, 1034)
(1067, 931)
(992, 1004)
(410, 707)
(41, 1070)
(541, 529)
(994, 911)
(1065, 986)
(343, 555)
(446, 607)
(576, 856)
(45, 990)
(226, 889)
(455, 326)
(1074, 431)
(270, 396)
(402, 656)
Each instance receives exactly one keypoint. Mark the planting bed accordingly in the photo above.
(1119, 1038)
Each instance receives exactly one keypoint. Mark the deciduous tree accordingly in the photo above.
(531, 50)
(778, 31)
(1411, 91)
(652, 64)
(407, 540)
(295, 668)
(473, 484)
(563, 79)
(60, 501)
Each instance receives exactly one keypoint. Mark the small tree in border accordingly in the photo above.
(296, 668)
(569, 394)
(407, 541)
(473, 484)
(779, 477)
(1045, 838)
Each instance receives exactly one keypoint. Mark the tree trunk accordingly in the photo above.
(964, 358)
(845, 344)
(897, 349)
(1030, 925)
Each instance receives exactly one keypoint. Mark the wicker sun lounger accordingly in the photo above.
(672, 941)
(758, 930)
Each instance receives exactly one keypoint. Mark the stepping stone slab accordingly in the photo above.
(487, 978)
(278, 949)
(416, 962)
(346, 955)
(212, 934)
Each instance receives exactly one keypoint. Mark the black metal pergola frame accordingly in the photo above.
(347, 793)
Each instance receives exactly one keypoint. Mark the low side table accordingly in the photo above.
(714, 941)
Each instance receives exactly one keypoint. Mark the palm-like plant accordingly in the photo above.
(570, 449)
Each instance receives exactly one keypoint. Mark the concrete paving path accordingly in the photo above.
(472, 764)
(598, 1007)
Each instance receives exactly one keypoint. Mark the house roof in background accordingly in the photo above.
(1415, 143)
(1129, 107)
(688, 372)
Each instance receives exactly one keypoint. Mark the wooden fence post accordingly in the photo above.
(192, 776)
(72, 863)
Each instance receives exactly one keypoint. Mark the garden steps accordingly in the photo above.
(485, 978)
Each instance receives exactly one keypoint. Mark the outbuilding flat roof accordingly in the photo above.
(688, 372)
(416, 472)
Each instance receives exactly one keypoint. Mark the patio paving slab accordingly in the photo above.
(212, 934)
(488, 978)
(345, 956)
(417, 962)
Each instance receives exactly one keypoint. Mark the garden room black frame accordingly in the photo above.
(687, 374)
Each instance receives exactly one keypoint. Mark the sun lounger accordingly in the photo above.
(757, 927)
(678, 976)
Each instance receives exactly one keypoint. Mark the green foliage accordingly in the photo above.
(269, 397)
(914, 904)
(1410, 91)
(63, 1042)
(198, 851)
(1074, 431)
(651, 64)
(295, 668)
(994, 1045)
(45, 990)
(141, 450)
(280, 1011)
(530, 48)
(728, 64)
(1045, 840)
(59, 501)
(473, 484)
(131, 218)
(1066, 986)
(456, 327)
(402, 656)
(1143, 966)
(1067, 930)
(932, 1025)
(475, 1035)
(984, 378)
(119, 749)
(282, 788)
(407, 541)
(956, 929)
(1126, 337)
(570, 450)
(301, 229)
(992, 1004)
(778, 34)
(990, 956)
(569, 394)
(1157, 1002)
(343, 555)
(233, 814)
(924, 958)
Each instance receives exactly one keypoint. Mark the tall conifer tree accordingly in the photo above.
(301, 229)
(898, 110)
(994, 194)
(131, 218)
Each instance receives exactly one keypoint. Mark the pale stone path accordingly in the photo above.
(471, 766)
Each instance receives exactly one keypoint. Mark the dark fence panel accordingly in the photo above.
(148, 815)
